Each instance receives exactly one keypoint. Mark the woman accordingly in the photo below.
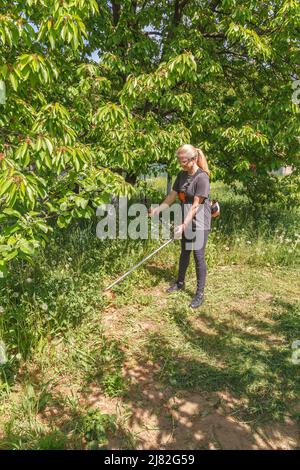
(192, 186)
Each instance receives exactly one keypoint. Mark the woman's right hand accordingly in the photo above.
(152, 212)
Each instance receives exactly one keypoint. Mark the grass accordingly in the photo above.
(66, 342)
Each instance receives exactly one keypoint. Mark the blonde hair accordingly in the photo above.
(190, 152)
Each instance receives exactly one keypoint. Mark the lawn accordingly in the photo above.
(137, 368)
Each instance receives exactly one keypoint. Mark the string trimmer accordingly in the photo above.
(139, 264)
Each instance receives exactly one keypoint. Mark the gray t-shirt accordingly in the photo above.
(195, 185)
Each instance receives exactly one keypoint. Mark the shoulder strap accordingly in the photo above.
(186, 186)
(198, 172)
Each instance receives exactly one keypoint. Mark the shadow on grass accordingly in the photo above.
(59, 426)
(226, 388)
(160, 274)
(289, 322)
(169, 416)
(250, 365)
(229, 390)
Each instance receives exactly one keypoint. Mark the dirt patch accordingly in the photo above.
(160, 417)
(93, 397)
(285, 436)
(202, 327)
(192, 421)
(111, 320)
(264, 296)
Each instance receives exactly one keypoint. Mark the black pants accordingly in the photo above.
(199, 257)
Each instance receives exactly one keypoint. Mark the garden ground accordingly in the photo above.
(137, 368)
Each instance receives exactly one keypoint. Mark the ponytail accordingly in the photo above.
(201, 161)
(193, 152)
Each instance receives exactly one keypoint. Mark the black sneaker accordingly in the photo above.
(175, 287)
(197, 300)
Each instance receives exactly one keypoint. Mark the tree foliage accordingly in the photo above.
(217, 73)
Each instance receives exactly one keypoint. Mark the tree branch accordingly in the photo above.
(178, 10)
(214, 4)
(116, 8)
(134, 5)
(157, 33)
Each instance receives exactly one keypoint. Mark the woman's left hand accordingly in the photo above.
(179, 229)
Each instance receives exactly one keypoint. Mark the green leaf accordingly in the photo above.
(5, 186)
(3, 268)
(13, 81)
(49, 146)
(13, 212)
(4, 248)
(45, 228)
(64, 220)
(51, 40)
(63, 206)
(81, 202)
(11, 255)
(26, 248)
(21, 150)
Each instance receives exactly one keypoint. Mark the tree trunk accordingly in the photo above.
(169, 183)
(131, 178)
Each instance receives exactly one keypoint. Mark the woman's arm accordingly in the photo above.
(171, 197)
(191, 213)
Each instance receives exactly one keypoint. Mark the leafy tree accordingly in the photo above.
(48, 170)
(217, 73)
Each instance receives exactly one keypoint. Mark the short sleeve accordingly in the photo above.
(175, 186)
(202, 186)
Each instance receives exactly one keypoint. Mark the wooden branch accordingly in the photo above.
(176, 16)
(157, 33)
(143, 5)
(213, 35)
(178, 10)
(116, 11)
(214, 4)
(134, 5)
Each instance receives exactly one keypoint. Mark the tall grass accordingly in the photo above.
(63, 284)
(59, 296)
(258, 236)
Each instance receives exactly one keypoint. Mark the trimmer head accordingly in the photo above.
(109, 294)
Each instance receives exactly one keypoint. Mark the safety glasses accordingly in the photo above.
(182, 160)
